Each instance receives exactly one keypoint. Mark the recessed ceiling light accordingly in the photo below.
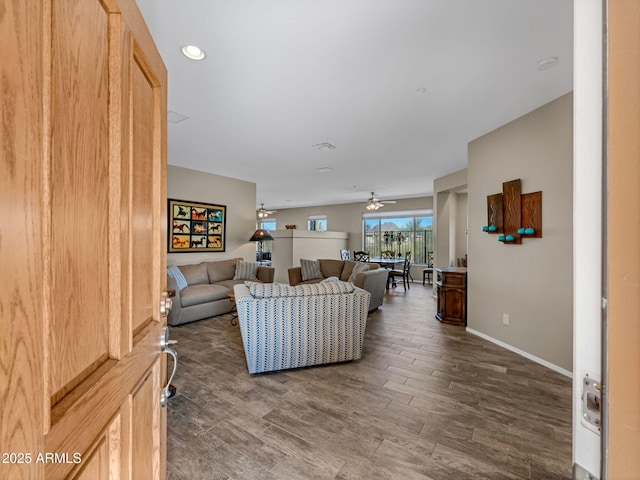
(421, 90)
(324, 169)
(547, 63)
(193, 52)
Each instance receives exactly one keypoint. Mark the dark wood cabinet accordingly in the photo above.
(451, 289)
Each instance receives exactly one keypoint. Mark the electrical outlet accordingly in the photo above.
(505, 319)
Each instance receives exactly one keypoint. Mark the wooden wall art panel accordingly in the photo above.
(532, 213)
(514, 215)
(511, 210)
(494, 213)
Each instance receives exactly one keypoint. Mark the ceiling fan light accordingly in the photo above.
(263, 212)
(373, 203)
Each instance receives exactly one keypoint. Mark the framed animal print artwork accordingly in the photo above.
(196, 227)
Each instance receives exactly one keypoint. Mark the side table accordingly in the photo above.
(234, 309)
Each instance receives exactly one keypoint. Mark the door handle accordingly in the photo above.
(164, 345)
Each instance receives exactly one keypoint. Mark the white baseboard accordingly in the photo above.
(542, 362)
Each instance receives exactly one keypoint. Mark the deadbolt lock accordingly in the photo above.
(165, 304)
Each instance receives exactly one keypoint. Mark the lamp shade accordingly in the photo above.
(260, 235)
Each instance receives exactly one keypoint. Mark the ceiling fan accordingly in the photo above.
(374, 204)
(263, 212)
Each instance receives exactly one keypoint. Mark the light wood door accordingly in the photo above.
(623, 240)
(82, 241)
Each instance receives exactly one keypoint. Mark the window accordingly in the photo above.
(269, 224)
(400, 232)
(317, 222)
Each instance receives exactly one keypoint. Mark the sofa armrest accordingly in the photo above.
(295, 276)
(374, 282)
(176, 301)
(266, 274)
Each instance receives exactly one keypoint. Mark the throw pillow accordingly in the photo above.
(246, 270)
(357, 268)
(310, 269)
(174, 272)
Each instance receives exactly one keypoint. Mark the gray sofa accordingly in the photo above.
(373, 280)
(209, 289)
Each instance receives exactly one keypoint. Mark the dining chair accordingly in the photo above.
(361, 256)
(408, 255)
(344, 254)
(427, 273)
(404, 273)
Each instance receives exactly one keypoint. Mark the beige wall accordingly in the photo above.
(461, 225)
(345, 217)
(532, 282)
(238, 196)
(290, 246)
(450, 219)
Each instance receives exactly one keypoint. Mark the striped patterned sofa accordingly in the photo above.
(286, 327)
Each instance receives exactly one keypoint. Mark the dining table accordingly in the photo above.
(385, 262)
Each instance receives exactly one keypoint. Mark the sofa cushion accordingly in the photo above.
(310, 269)
(246, 270)
(174, 272)
(347, 269)
(332, 268)
(272, 290)
(357, 268)
(198, 294)
(195, 274)
(221, 270)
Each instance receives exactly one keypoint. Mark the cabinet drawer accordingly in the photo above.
(452, 280)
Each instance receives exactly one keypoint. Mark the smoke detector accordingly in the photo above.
(323, 145)
(547, 63)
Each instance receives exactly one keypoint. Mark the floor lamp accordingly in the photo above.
(260, 236)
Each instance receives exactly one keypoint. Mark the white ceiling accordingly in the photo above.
(399, 87)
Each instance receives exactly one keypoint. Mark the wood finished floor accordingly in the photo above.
(426, 401)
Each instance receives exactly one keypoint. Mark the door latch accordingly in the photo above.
(591, 404)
